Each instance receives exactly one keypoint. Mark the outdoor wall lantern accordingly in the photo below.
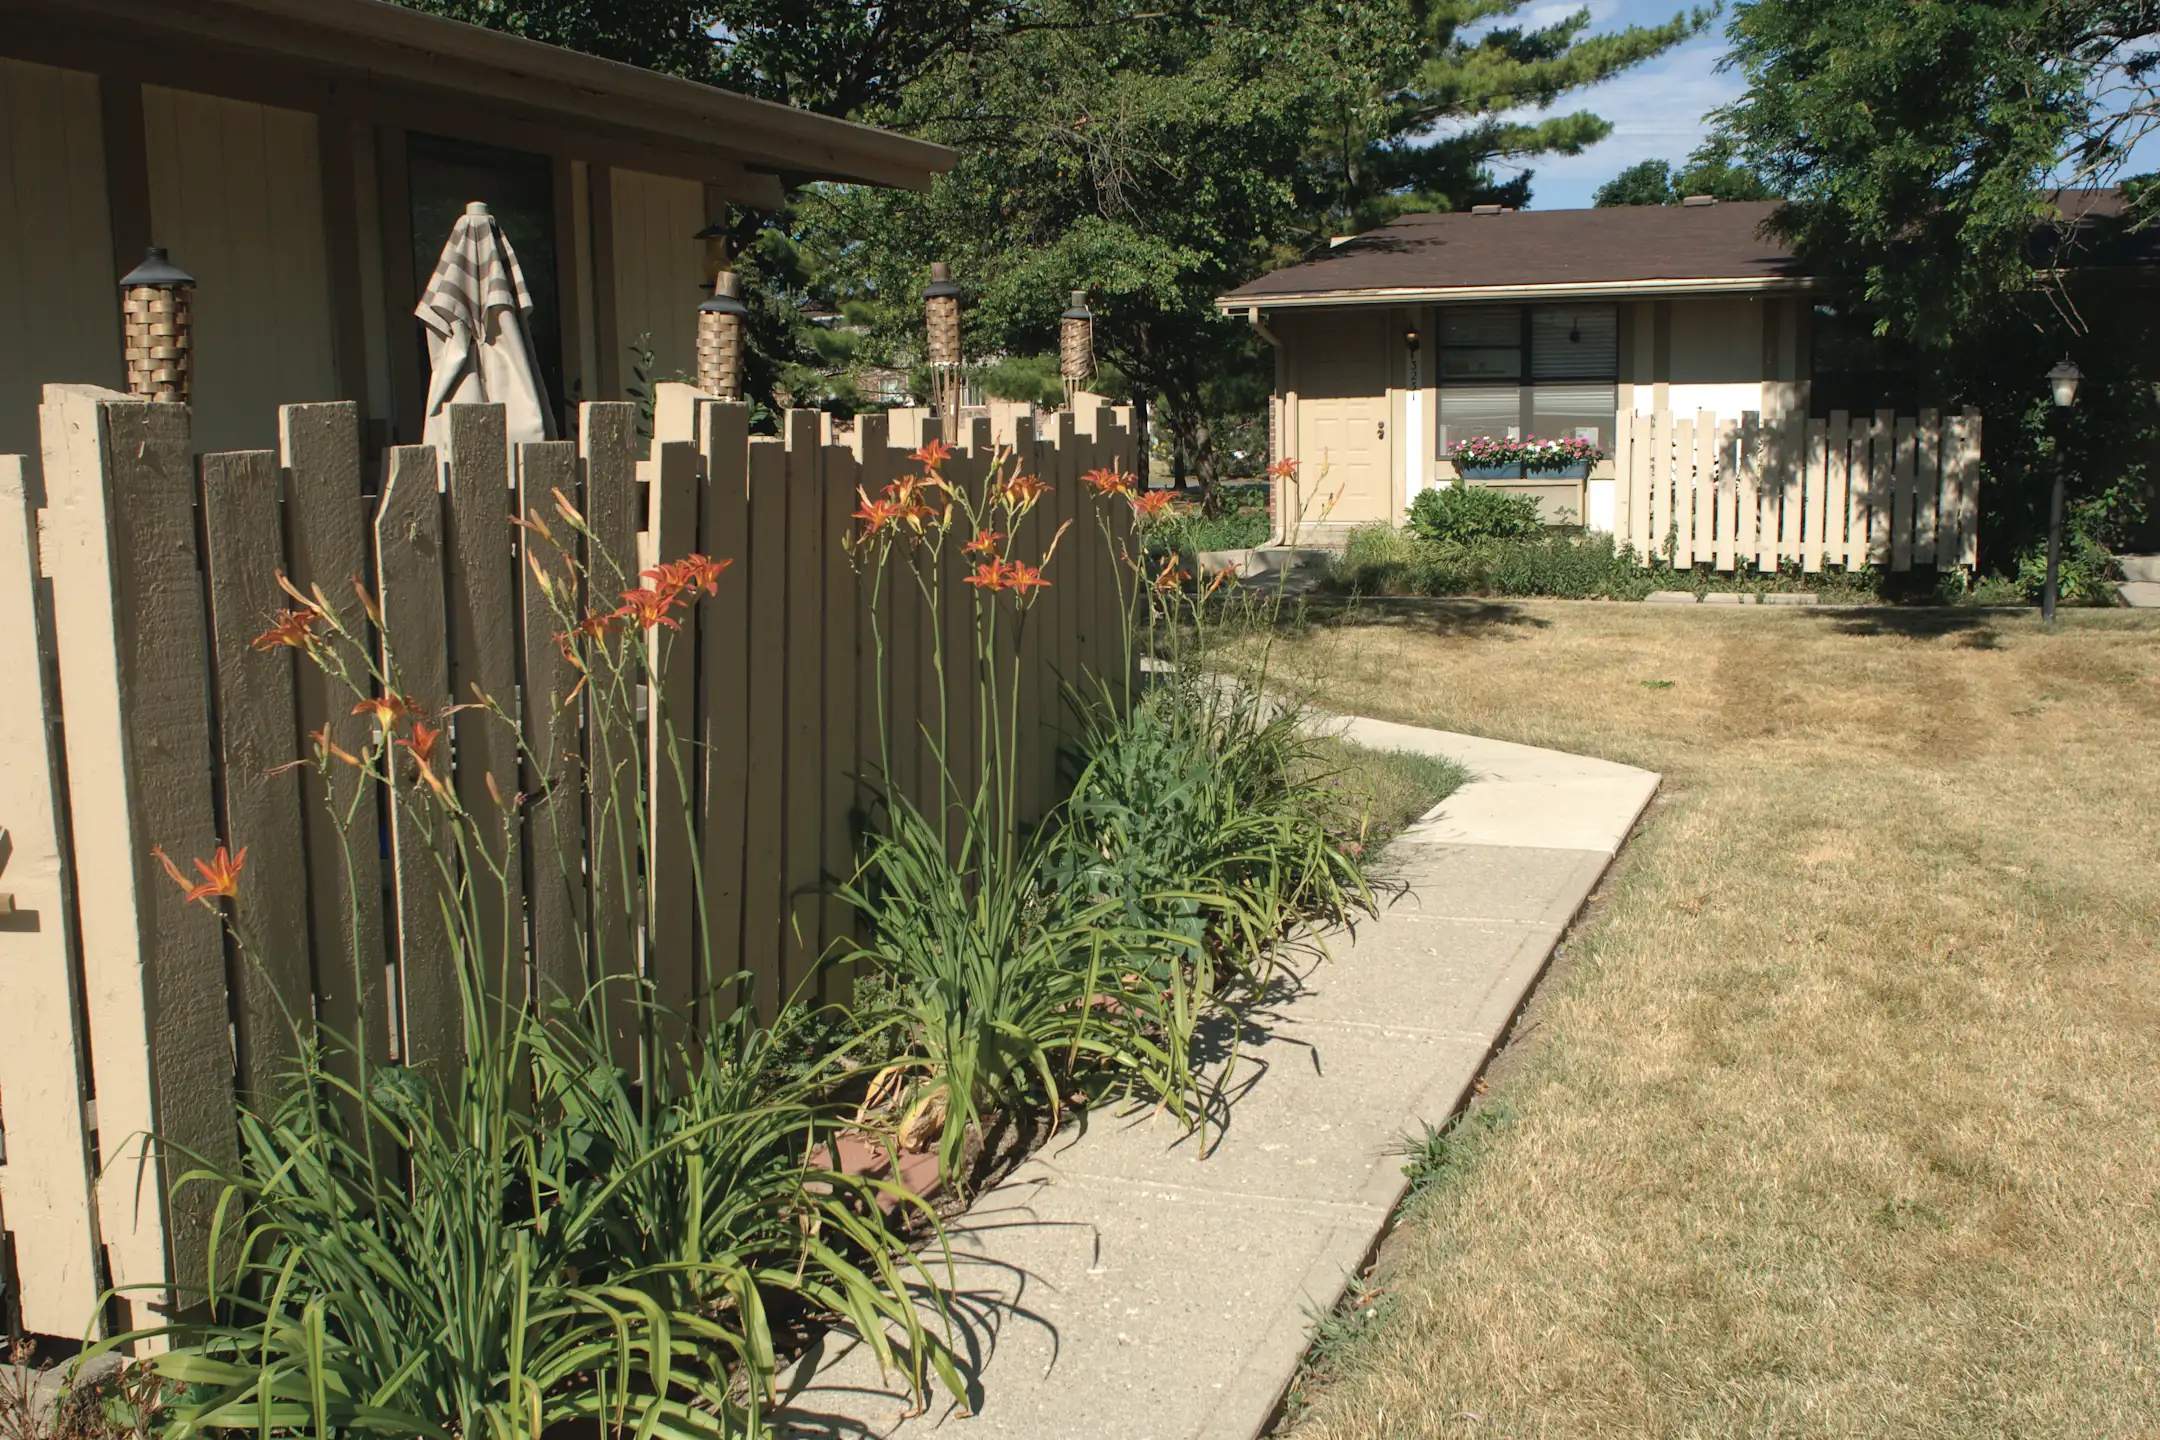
(157, 317)
(720, 338)
(1076, 346)
(2063, 380)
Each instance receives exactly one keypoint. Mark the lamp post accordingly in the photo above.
(2063, 380)
(941, 324)
(1076, 346)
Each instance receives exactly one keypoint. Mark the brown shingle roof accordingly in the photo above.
(1666, 247)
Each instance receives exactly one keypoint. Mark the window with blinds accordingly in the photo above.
(1574, 342)
(1480, 342)
(1514, 371)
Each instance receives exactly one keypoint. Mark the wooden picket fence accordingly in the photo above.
(1850, 491)
(133, 578)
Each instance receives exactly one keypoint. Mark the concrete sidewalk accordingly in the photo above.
(1121, 1285)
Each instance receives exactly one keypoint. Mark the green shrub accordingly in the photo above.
(1463, 512)
(2082, 576)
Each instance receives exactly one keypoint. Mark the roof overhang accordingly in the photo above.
(388, 42)
(1598, 290)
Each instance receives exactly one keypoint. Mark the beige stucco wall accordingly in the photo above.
(236, 196)
(59, 305)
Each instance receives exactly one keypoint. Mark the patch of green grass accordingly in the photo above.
(1376, 794)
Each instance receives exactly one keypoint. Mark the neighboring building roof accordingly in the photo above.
(393, 44)
(1621, 250)
(1635, 249)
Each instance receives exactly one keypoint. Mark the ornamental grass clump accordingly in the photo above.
(549, 1227)
(1015, 993)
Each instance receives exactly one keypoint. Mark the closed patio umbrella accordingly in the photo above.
(478, 316)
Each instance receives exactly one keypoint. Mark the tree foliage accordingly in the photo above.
(1711, 171)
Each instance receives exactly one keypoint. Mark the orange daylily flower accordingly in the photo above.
(932, 455)
(1154, 505)
(295, 628)
(1023, 577)
(220, 874)
(1107, 480)
(984, 544)
(990, 575)
(697, 572)
(1282, 470)
(423, 742)
(1171, 577)
(877, 515)
(388, 709)
(1021, 492)
(648, 607)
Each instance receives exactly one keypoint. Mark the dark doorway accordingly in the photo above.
(519, 188)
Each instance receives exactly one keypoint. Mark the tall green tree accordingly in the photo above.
(1921, 145)
(1711, 171)
(1159, 159)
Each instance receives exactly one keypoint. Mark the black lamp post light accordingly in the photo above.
(2063, 380)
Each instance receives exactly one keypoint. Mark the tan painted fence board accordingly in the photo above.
(843, 662)
(803, 804)
(129, 625)
(766, 557)
(45, 1185)
(672, 967)
(724, 634)
(1898, 491)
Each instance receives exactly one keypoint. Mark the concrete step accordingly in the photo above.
(2141, 569)
(2140, 594)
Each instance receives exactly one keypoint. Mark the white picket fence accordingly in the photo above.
(1849, 491)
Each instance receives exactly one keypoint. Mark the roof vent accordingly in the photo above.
(1700, 200)
(1487, 209)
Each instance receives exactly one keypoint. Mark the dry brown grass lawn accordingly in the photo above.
(1845, 1118)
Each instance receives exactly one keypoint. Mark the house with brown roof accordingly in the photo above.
(304, 160)
(1396, 345)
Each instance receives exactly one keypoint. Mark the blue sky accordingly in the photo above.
(1656, 109)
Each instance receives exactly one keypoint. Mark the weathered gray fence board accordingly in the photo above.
(607, 445)
(483, 669)
(262, 790)
(554, 769)
(409, 549)
(326, 525)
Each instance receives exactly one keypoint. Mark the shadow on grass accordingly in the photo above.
(1419, 614)
(1975, 627)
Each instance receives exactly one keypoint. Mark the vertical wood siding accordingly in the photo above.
(236, 196)
(59, 292)
(658, 267)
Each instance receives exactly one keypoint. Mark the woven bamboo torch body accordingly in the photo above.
(941, 325)
(720, 338)
(1076, 346)
(157, 305)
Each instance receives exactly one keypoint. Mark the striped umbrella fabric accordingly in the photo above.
(478, 318)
